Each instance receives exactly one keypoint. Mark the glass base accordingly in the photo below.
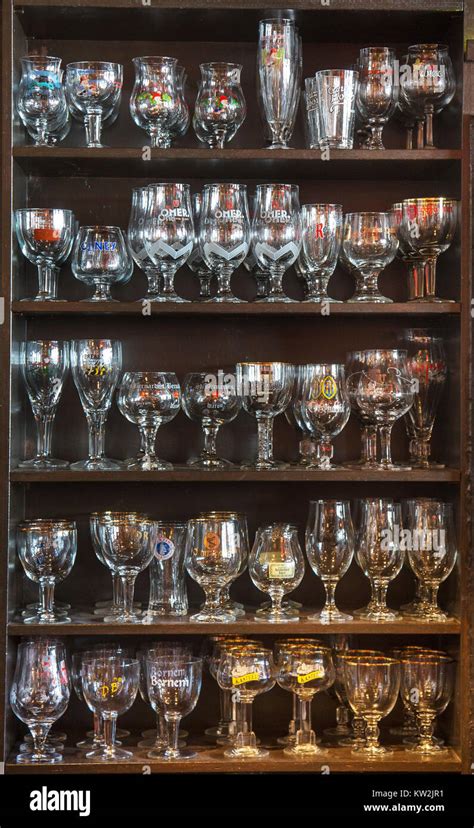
(378, 298)
(265, 465)
(283, 616)
(156, 744)
(102, 464)
(149, 464)
(209, 463)
(304, 751)
(333, 616)
(170, 297)
(43, 463)
(277, 297)
(431, 614)
(392, 467)
(227, 297)
(320, 298)
(424, 750)
(100, 299)
(50, 618)
(38, 759)
(216, 617)
(130, 618)
(427, 299)
(246, 753)
(170, 756)
(118, 755)
(220, 731)
(375, 752)
(373, 614)
(151, 732)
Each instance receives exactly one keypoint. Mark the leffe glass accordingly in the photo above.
(385, 392)
(427, 684)
(276, 234)
(214, 552)
(45, 236)
(128, 545)
(305, 671)
(40, 694)
(169, 233)
(168, 595)
(220, 104)
(330, 549)
(370, 244)
(336, 92)
(325, 408)
(96, 365)
(432, 552)
(211, 398)
(136, 242)
(265, 388)
(93, 92)
(377, 93)
(47, 551)
(321, 242)
(428, 83)
(428, 226)
(427, 366)
(276, 567)
(101, 258)
(355, 365)
(110, 686)
(224, 234)
(149, 399)
(372, 685)
(379, 554)
(41, 101)
(44, 365)
(246, 673)
(174, 685)
(279, 69)
(155, 103)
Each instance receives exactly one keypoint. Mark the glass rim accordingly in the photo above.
(335, 72)
(432, 199)
(128, 660)
(25, 525)
(331, 500)
(84, 64)
(200, 519)
(100, 227)
(351, 652)
(44, 342)
(187, 660)
(123, 521)
(309, 648)
(157, 58)
(377, 49)
(368, 661)
(287, 364)
(231, 184)
(251, 651)
(267, 184)
(366, 213)
(41, 58)
(287, 21)
(43, 210)
(426, 659)
(321, 205)
(385, 351)
(179, 184)
(424, 46)
(221, 63)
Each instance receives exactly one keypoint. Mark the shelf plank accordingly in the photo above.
(338, 5)
(79, 308)
(189, 475)
(85, 623)
(246, 163)
(212, 760)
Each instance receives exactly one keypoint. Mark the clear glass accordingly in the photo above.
(355, 365)
(184, 119)
(321, 243)
(47, 551)
(417, 267)
(94, 740)
(246, 674)
(427, 686)
(168, 594)
(136, 242)
(312, 112)
(427, 83)
(372, 685)
(224, 234)
(45, 236)
(149, 399)
(378, 90)
(101, 258)
(427, 228)
(427, 366)
(432, 551)
(276, 234)
(212, 399)
(214, 551)
(385, 392)
(379, 554)
(279, 72)
(330, 549)
(115, 606)
(196, 262)
(276, 567)
(370, 244)
(93, 92)
(220, 108)
(155, 102)
(336, 94)
(109, 687)
(128, 545)
(173, 685)
(39, 694)
(41, 101)
(305, 671)
(156, 738)
(266, 389)
(44, 365)
(308, 446)
(325, 408)
(96, 366)
(169, 233)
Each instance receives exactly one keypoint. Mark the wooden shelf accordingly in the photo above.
(337, 5)
(190, 475)
(200, 162)
(79, 308)
(212, 760)
(85, 623)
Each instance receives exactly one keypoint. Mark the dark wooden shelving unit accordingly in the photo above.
(96, 185)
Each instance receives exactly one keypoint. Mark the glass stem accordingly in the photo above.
(210, 431)
(380, 593)
(432, 596)
(93, 125)
(325, 453)
(430, 277)
(372, 733)
(276, 596)
(304, 735)
(409, 138)
(44, 433)
(370, 444)
(245, 736)
(225, 702)
(39, 733)
(205, 279)
(98, 730)
(416, 278)
(47, 281)
(429, 111)
(96, 422)
(128, 587)
(168, 273)
(223, 280)
(110, 726)
(426, 730)
(46, 596)
(358, 730)
(294, 715)
(172, 727)
(330, 587)
(153, 278)
(265, 439)
(117, 601)
(385, 444)
(276, 280)
(148, 432)
(420, 133)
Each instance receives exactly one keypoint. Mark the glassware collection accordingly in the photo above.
(214, 550)
(218, 235)
(368, 684)
(370, 94)
(379, 386)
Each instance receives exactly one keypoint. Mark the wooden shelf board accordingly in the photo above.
(189, 475)
(79, 308)
(212, 760)
(85, 623)
(343, 5)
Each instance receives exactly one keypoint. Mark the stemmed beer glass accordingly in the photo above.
(279, 67)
